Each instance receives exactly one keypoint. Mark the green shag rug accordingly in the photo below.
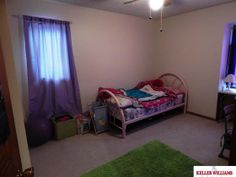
(151, 160)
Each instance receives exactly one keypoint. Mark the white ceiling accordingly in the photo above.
(141, 8)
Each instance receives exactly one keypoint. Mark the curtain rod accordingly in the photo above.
(17, 16)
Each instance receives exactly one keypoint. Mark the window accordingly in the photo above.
(48, 50)
(231, 63)
(52, 80)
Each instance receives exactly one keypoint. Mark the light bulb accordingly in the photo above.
(156, 4)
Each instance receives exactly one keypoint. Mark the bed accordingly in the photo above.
(146, 99)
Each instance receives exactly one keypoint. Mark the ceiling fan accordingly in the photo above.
(165, 2)
(154, 5)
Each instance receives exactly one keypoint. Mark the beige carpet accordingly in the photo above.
(194, 136)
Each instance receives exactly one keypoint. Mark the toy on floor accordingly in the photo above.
(38, 130)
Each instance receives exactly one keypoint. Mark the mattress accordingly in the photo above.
(146, 108)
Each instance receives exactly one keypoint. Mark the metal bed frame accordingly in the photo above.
(169, 80)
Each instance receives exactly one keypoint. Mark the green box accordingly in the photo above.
(64, 129)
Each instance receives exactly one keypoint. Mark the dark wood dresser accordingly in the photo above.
(232, 157)
(224, 98)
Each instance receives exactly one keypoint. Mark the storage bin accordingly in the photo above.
(64, 129)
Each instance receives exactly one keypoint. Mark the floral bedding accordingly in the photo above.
(143, 101)
(146, 108)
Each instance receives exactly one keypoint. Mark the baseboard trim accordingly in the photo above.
(200, 115)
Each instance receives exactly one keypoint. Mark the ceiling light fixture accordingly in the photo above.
(156, 4)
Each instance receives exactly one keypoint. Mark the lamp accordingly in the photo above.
(230, 78)
(156, 4)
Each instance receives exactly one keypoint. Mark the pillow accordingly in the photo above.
(123, 101)
(113, 90)
(154, 83)
(157, 83)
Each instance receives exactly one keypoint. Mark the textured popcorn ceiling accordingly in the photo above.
(141, 8)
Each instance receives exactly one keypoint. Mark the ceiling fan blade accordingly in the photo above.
(129, 2)
(167, 2)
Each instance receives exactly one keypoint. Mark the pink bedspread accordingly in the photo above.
(154, 103)
(171, 95)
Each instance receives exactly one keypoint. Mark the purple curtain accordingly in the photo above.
(231, 66)
(52, 78)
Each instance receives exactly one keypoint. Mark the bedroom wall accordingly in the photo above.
(110, 49)
(191, 46)
(115, 50)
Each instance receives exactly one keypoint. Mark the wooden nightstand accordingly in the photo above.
(224, 98)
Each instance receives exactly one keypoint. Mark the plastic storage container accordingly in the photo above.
(65, 128)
